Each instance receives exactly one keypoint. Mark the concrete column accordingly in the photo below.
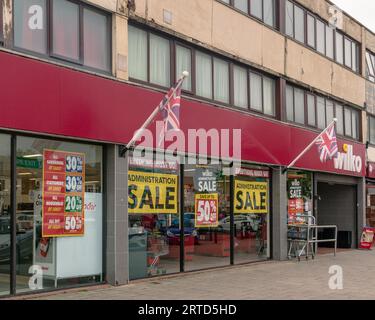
(117, 255)
(279, 215)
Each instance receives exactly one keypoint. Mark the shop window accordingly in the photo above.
(203, 73)
(85, 40)
(370, 205)
(251, 214)
(321, 110)
(310, 30)
(329, 42)
(320, 37)
(30, 30)
(65, 35)
(299, 24)
(300, 202)
(96, 30)
(339, 48)
(240, 87)
(183, 63)
(206, 217)
(311, 114)
(57, 225)
(370, 66)
(221, 80)
(154, 218)
(137, 53)
(5, 214)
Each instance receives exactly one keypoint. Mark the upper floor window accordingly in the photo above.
(264, 10)
(371, 129)
(308, 109)
(370, 66)
(78, 33)
(152, 57)
(320, 36)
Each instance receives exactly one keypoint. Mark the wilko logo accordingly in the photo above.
(347, 160)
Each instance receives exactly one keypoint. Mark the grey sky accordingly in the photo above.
(362, 10)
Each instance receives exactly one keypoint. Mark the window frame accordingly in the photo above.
(370, 77)
(49, 55)
(174, 64)
(309, 15)
(325, 99)
(354, 44)
(275, 10)
(370, 118)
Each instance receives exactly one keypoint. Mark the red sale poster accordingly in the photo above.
(63, 194)
(206, 214)
(367, 238)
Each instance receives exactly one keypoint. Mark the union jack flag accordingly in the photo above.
(170, 108)
(327, 144)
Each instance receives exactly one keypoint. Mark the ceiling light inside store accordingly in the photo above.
(24, 173)
(33, 156)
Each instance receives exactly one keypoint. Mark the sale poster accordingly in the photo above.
(206, 214)
(250, 197)
(152, 193)
(63, 194)
(367, 238)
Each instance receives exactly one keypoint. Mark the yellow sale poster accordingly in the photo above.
(250, 197)
(152, 193)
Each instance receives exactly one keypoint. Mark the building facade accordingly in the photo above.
(78, 78)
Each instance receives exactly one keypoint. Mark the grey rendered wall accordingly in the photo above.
(117, 270)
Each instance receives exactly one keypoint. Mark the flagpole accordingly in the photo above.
(309, 146)
(138, 134)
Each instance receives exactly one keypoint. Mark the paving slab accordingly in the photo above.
(287, 280)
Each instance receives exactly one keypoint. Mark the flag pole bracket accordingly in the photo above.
(122, 151)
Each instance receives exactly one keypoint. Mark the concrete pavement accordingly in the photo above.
(270, 280)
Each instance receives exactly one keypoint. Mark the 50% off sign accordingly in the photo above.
(206, 206)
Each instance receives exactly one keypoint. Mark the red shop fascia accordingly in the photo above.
(43, 98)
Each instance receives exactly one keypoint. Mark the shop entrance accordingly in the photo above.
(337, 205)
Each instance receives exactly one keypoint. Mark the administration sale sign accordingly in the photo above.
(63, 193)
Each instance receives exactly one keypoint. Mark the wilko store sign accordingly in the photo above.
(348, 161)
(63, 194)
